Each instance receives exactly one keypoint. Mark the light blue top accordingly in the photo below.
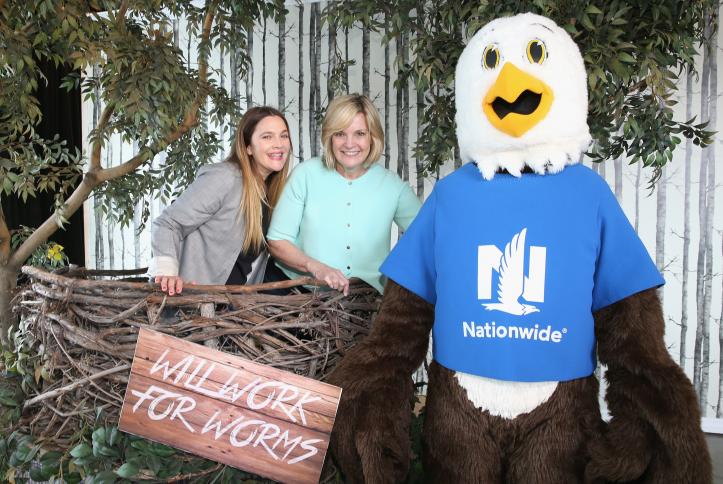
(515, 268)
(346, 224)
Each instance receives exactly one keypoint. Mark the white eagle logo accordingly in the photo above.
(512, 280)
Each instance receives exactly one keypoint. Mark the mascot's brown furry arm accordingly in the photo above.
(524, 266)
(654, 435)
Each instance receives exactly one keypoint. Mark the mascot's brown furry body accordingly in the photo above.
(654, 434)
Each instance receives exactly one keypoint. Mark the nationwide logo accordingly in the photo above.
(512, 283)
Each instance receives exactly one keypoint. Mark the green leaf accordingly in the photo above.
(105, 477)
(81, 450)
(592, 9)
(625, 57)
(99, 435)
(127, 470)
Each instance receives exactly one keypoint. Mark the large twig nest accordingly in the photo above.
(85, 329)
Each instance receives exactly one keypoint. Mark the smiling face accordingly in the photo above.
(521, 97)
(351, 146)
(269, 146)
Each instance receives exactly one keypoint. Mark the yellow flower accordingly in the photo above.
(55, 252)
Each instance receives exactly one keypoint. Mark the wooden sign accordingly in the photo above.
(225, 408)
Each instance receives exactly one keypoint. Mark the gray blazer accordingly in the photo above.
(199, 235)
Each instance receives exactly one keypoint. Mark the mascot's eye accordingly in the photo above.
(491, 57)
(536, 51)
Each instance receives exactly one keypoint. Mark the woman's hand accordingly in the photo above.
(334, 278)
(170, 284)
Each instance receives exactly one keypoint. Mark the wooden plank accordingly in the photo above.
(225, 408)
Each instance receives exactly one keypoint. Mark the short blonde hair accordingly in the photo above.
(339, 115)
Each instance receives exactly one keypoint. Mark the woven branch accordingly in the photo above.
(85, 330)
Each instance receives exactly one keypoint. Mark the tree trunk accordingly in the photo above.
(314, 76)
(233, 79)
(250, 68)
(365, 59)
(602, 170)
(638, 178)
(719, 408)
(281, 88)
(618, 166)
(8, 283)
(346, 59)
(701, 328)
(686, 222)
(710, 206)
(661, 199)
(176, 32)
(97, 213)
(263, 61)
(387, 96)
(331, 66)
(419, 159)
(301, 82)
(137, 224)
(316, 83)
(400, 111)
(108, 223)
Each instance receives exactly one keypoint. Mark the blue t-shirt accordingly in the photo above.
(516, 266)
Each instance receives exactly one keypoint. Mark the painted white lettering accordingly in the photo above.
(180, 367)
(287, 393)
(185, 404)
(227, 388)
(285, 438)
(268, 431)
(219, 431)
(306, 445)
(233, 436)
(251, 399)
(199, 384)
(298, 406)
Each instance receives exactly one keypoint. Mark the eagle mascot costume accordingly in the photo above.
(526, 270)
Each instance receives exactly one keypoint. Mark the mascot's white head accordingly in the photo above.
(521, 97)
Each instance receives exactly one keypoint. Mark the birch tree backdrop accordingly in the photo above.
(299, 61)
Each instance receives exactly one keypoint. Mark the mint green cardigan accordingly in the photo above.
(345, 224)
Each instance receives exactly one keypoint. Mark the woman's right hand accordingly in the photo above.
(170, 284)
(334, 278)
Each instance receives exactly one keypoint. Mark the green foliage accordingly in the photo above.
(124, 56)
(48, 255)
(634, 51)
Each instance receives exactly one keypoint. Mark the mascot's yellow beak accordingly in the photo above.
(517, 101)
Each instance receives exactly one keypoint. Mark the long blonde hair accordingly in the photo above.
(256, 191)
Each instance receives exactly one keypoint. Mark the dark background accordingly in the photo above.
(61, 115)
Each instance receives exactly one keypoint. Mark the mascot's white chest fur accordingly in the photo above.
(506, 399)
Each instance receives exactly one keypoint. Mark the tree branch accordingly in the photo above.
(4, 233)
(98, 144)
(189, 121)
(97, 175)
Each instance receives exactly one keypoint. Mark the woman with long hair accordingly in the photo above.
(334, 218)
(214, 233)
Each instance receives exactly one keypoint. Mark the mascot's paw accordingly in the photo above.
(621, 454)
(370, 441)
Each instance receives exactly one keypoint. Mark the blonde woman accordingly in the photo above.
(214, 232)
(334, 218)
